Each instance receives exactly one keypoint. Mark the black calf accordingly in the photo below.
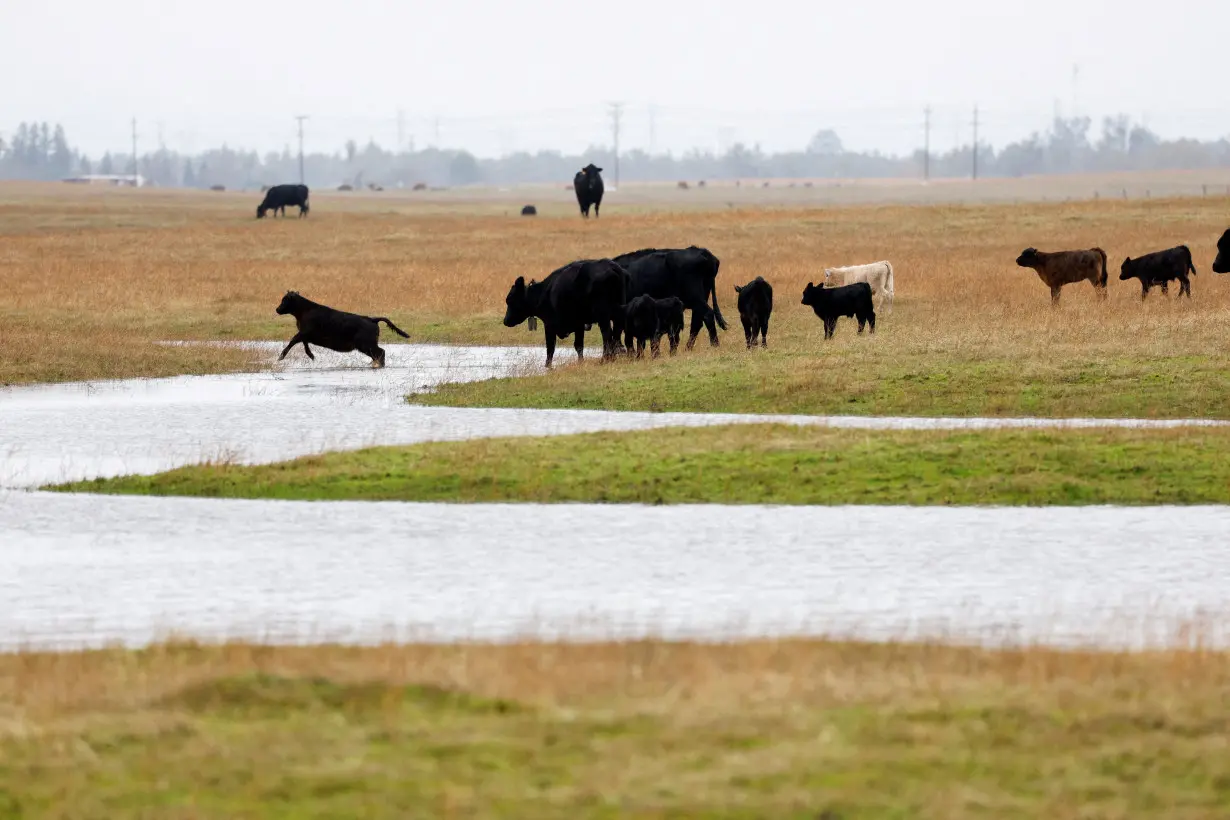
(336, 330)
(847, 300)
(755, 306)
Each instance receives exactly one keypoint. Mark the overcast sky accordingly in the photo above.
(530, 74)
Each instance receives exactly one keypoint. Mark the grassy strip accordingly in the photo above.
(791, 729)
(762, 464)
(871, 377)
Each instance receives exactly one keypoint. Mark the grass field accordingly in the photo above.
(93, 278)
(802, 729)
(744, 464)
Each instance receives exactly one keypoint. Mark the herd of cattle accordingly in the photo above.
(641, 296)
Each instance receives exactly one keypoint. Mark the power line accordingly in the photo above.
(975, 141)
(617, 112)
(301, 118)
(401, 129)
(927, 143)
(653, 116)
(135, 166)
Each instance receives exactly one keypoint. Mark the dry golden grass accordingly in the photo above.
(646, 728)
(92, 277)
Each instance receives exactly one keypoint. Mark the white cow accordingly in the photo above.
(877, 274)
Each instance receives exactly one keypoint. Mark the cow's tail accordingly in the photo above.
(1105, 276)
(717, 312)
(392, 326)
(889, 287)
(1190, 266)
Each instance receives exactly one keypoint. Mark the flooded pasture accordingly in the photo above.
(79, 569)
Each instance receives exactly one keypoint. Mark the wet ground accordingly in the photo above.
(77, 569)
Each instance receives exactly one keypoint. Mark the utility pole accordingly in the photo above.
(135, 167)
(975, 141)
(927, 143)
(617, 112)
(301, 118)
(401, 130)
(437, 126)
(653, 114)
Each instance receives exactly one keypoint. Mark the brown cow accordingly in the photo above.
(1067, 268)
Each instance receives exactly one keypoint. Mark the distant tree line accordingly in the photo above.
(41, 152)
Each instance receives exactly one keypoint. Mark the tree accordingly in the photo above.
(107, 166)
(189, 176)
(84, 165)
(825, 142)
(61, 154)
(463, 170)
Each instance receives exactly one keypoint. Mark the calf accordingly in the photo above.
(847, 300)
(646, 319)
(334, 329)
(1158, 268)
(877, 274)
(755, 305)
(1222, 263)
(1067, 267)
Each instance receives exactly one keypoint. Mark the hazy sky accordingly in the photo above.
(529, 74)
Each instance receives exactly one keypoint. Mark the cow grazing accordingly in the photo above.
(647, 319)
(846, 300)
(755, 305)
(877, 274)
(1222, 263)
(587, 185)
(1066, 268)
(689, 274)
(529, 210)
(1158, 268)
(578, 295)
(334, 329)
(279, 196)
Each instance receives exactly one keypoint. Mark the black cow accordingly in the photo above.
(755, 306)
(334, 329)
(687, 273)
(846, 300)
(1222, 263)
(1158, 268)
(580, 294)
(529, 210)
(647, 319)
(279, 196)
(588, 187)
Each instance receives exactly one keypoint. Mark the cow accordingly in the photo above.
(1222, 263)
(877, 274)
(845, 300)
(647, 319)
(279, 196)
(336, 330)
(755, 305)
(587, 185)
(529, 210)
(1158, 268)
(580, 294)
(1066, 268)
(687, 273)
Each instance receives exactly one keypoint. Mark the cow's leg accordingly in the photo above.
(698, 321)
(374, 352)
(829, 326)
(1166, 289)
(655, 346)
(1055, 294)
(1185, 286)
(596, 207)
(749, 331)
(550, 334)
(578, 343)
(764, 333)
(711, 326)
(862, 323)
(640, 347)
(308, 351)
(1144, 290)
(871, 320)
(294, 340)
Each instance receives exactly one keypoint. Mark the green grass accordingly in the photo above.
(858, 376)
(744, 464)
(794, 729)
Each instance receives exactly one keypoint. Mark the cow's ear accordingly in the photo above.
(738, 289)
(520, 283)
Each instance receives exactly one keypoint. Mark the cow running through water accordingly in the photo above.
(279, 196)
(587, 184)
(578, 295)
(1066, 268)
(333, 329)
(1158, 268)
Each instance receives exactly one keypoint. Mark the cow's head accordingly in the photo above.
(260, 211)
(290, 302)
(1125, 270)
(591, 170)
(670, 316)
(1222, 263)
(1028, 258)
(517, 303)
(810, 293)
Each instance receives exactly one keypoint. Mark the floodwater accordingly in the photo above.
(67, 432)
(80, 569)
